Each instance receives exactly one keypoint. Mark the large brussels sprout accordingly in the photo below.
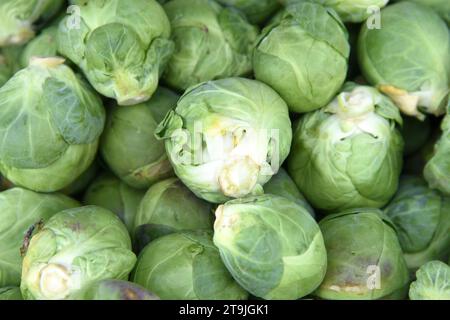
(442, 7)
(422, 219)
(121, 48)
(10, 293)
(75, 248)
(303, 55)
(365, 260)
(186, 266)
(349, 154)
(20, 209)
(282, 185)
(416, 79)
(128, 144)
(350, 10)
(226, 138)
(50, 124)
(115, 290)
(109, 192)
(437, 169)
(211, 42)
(168, 207)
(44, 45)
(433, 282)
(257, 11)
(271, 246)
(18, 16)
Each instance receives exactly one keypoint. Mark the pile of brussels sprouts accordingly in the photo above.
(224, 149)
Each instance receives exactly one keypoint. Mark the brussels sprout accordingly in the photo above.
(416, 79)
(422, 219)
(50, 123)
(10, 293)
(226, 138)
(349, 154)
(111, 193)
(168, 207)
(365, 261)
(115, 290)
(257, 11)
(349, 10)
(75, 248)
(128, 144)
(437, 169)
(293, 51)
(20, 209)
(81, 183)
(18, 16)
(433, 282)
(211, 42)
(44, 45)
(121, 48)
(271, 246)
(415, 134)
(186, 266)
(442, 7)
(282, 185)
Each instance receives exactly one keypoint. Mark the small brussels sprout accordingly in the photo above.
(128, 145)
(437, 169)
(226, 138)
(365, 261)
(293, 50)
(168, 207)
(109, 192)
(442, 7)
(349, 154)
(186, 266)
(18, 16)
(350, 10)
(50, 124)
(10, 293)
(282, 185)
(121, 48)
(115, 290)
(81, 183)
(433, 282)
(422, 219)
(417, 80)
(75, 248)
(415, 134)
(20, 209)
(257, 11)
(43, 46)
(211, 42)
(271, 246)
